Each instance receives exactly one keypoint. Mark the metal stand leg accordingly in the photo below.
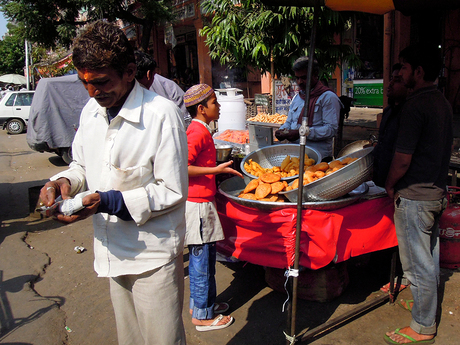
(394, 258)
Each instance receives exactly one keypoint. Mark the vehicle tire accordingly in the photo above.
(66, 154)
(15, 126)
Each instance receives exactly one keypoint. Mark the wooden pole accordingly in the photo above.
(272, 71)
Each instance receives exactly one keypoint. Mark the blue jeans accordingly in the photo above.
(417, 230)
(202, 271)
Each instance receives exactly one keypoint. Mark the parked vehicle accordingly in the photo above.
(55, 114)
(14, 110)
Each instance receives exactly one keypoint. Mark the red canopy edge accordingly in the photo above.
(369, 6)
(407, 7)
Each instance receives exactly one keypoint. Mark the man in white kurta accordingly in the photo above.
(130, 151)
(141, 153)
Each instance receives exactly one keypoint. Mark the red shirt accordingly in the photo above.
(201, 153)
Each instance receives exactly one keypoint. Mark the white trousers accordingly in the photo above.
(148, 306)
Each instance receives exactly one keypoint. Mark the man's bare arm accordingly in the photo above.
(398, 168)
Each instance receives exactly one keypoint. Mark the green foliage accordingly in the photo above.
(248, 33)
(51, 22)
(42, 20)
(12, 52)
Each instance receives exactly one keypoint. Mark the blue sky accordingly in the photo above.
(2, 25)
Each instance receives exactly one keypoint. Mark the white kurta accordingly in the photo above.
(143, 154)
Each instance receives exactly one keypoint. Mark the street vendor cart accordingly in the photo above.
(343, 215)
(332, 231)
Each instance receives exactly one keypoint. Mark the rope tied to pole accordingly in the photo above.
(292, 339)
(290, 272)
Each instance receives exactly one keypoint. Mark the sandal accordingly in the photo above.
(214, 325)
(221, 307)
(386, 288)
(405, 304)
(412, 340)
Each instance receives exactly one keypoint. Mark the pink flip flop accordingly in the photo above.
(214, 326)
(386, 288)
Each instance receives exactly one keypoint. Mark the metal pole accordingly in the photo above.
(303, 131)
(27, 64)
(31, 69)
(272, 71)
(393, 275)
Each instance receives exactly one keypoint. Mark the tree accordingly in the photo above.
(49, 22)
(247, 33)
(12, 51)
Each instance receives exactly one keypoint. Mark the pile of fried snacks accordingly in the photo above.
(320, 170)
(267, 118)
(289, 167)
(265, 188)
(269, 184)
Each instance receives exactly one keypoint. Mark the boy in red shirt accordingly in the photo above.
(203, 224)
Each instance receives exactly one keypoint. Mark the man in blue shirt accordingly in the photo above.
(323, 111)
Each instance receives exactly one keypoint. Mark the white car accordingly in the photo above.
(14, 110)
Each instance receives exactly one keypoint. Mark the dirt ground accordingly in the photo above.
(50, 295)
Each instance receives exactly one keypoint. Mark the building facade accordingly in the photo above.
(182, 55)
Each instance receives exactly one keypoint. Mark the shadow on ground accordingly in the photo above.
(265, 318)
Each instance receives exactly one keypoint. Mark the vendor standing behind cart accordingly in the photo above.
(417, 183)
(323, 111)
(203, 224)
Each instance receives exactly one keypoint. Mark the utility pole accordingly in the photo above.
(28, 64)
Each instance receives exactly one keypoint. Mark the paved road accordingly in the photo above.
(45, 286)
(25, 316)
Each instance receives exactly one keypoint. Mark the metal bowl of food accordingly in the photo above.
(223, 152)
(272, 156)
(338, 183)
(233, 186)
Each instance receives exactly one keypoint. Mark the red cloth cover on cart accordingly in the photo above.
(267, 238)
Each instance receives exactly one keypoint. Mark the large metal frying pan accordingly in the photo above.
(356, 146)
(353, 147)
